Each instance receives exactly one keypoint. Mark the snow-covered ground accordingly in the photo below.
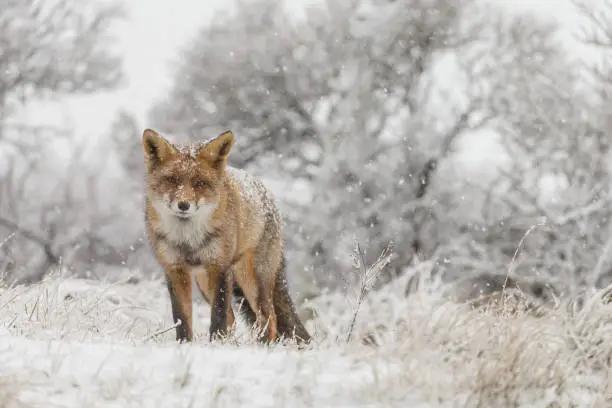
(79, 343)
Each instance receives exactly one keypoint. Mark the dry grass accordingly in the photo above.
(82, 343)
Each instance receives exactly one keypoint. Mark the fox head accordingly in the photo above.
(185, 181)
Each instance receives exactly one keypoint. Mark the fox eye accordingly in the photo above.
(173, 180)
(200, 184)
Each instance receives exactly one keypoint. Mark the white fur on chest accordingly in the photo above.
(193, 231)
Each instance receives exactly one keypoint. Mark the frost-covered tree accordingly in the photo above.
(367, 104)
(54, 47)
(49, 195)
(542, 209)
(587, 175)
(330, 96)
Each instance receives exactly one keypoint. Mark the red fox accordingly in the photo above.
(220, 226)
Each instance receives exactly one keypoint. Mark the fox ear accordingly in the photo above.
(156, 149)
(217, 150)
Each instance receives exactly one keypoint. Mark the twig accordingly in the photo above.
(362, 272)
(162, 331)
(602, 259)
(520, 245)
(35, 306)
(515, 255)
(367, 276)
(7, 239)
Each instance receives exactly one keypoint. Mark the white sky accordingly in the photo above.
(150, 41)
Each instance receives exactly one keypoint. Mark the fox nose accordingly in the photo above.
(183, 205)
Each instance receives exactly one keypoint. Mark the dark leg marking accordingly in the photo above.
(218, 318)
(182, 331)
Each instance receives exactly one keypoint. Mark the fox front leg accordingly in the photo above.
(179, 288)
(221, 303)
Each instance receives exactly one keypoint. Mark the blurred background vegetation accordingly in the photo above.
(447, 129)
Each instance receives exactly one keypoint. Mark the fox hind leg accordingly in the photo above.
(261, 267)
(269, 316)
(259, 311)
(244, 306)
